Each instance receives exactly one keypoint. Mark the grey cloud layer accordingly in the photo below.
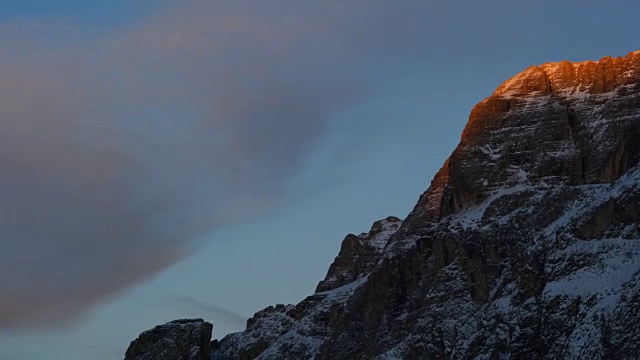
(118, 148)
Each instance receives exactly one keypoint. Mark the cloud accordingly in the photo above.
(118, 147)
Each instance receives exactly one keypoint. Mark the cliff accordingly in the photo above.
(526, 245)
(187, 339)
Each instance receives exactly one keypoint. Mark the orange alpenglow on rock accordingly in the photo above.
(526, 244)
(559, 101)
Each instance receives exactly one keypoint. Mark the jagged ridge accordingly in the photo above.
(526, 244)
(359, 254)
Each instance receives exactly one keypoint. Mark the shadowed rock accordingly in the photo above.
(359, 254)
(187, 339)
(525, 246)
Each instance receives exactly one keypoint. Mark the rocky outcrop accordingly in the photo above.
(176, 340)
(557, 123)
(359, 254)
(298, 326)
(525, 246)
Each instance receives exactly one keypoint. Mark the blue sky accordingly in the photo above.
(207, 158)
(95, 12)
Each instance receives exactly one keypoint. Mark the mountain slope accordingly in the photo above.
(526, 245)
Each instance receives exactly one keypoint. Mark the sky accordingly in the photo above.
(169, 159)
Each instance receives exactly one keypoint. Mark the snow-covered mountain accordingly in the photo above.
(525, 246)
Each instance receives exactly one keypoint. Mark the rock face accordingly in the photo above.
(359, 254)
(525, 246)
(177, 340)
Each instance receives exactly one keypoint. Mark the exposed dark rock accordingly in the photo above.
(525, 246)
(359, 254)
(187, 339)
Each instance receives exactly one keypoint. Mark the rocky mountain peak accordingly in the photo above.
(567, 78)
(185, 339)
(525, 246)
(359, 254)
(546, 125)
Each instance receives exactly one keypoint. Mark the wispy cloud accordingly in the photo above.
(118, 147)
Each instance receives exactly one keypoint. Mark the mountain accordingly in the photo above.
(178, 339)
(525, 246)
